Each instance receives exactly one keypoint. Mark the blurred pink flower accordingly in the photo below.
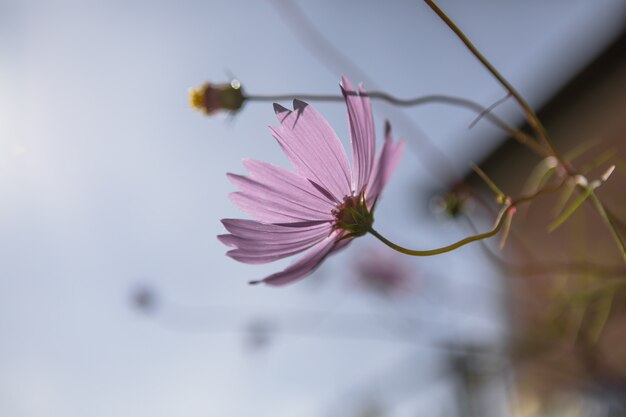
(384, 272)
(321, 206)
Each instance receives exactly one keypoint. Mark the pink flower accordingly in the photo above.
(384, 272)
(324, 204)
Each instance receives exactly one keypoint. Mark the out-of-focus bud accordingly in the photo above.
(452, 203)
(210, 98)
(383, 272)
(144, 299)
(259, 334)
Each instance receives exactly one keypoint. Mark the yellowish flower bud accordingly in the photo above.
(210, 98)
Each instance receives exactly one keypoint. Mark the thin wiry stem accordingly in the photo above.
(437, 163)
(418, 101)
(531, 115)
(616, 220)
(488, 110)
(444, 249)
(607, 219)
(500, 220)
(295, 322)
(305, 97)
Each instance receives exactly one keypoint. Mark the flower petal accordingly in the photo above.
(292, 185)
(273, 205)
(264, 210)
(384, 166)
(308, 263)
(252, 252)
(362, 134)
(258, 243)
(251, 229)
(313, 148)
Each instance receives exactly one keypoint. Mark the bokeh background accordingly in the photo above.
(116, 299)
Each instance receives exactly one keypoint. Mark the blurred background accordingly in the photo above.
(117, 299)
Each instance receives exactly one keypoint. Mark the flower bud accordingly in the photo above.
(210, 98)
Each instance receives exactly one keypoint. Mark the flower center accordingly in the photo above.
(353, 216)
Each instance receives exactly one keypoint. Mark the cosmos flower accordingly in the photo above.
(325, 203)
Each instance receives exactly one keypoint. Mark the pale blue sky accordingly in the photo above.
(108, 180)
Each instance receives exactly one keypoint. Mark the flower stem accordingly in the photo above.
(500, 220)
(531, 115)
(483, 112)
(609, 222)
(533, 119)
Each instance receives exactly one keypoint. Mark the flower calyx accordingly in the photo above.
(353, 216)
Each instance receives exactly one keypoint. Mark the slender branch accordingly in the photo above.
(305, 97)
(436, 162)
(295, 322)
(489, 109)
(532, 116)
(517, 134)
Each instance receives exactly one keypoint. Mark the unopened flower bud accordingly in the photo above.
(453, 202)
(608, 173)
(595, 184)
(210, 98)
(503, 199)
(581, 180)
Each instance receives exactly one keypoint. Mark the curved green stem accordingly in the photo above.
(444, 249)
(500, 220)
